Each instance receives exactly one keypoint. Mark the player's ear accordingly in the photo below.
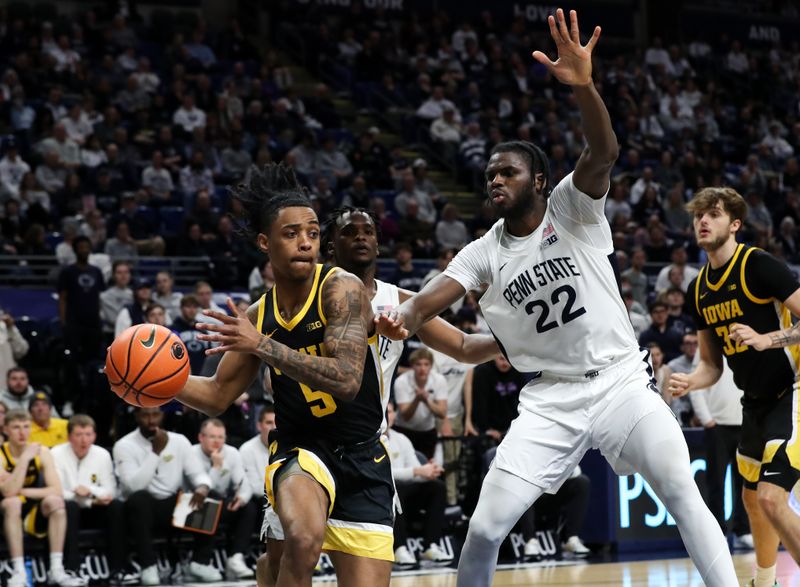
(539, 182)
(736, 225)
(262, 242)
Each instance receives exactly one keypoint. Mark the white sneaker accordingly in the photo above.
(743, 542)
(64, 578)
(203, 573)
(436, 555)
(150, 576)
(18, 580)
(236, 568)
(532, 550)
(404, 558)
(576, 547)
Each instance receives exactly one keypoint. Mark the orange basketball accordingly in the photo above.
(147, 365)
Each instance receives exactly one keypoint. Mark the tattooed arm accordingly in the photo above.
(771, 340)
(339, 372)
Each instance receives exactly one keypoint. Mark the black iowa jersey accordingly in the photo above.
(749, 289)
(33, 476)
(304, 412)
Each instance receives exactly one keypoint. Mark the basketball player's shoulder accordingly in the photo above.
(339, 284)
(252, 311)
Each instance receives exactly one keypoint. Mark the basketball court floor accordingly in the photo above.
(662, 572)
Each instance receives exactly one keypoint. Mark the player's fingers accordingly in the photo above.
(221, 316)
(217, 350)
(562, 25)
(551, 21)
(543, 59)
(232, 307)
(594, 38)
(574, 31)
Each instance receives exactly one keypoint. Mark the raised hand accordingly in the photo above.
(236, 333)
(390, 324)
(574, 64)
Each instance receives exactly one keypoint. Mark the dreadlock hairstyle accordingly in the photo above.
(329, 225)
(536, 158)
(264, 195)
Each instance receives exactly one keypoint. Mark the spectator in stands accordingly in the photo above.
(406, 275)
(442, 261)
(371, 160)
(719, 411)
(133, 313)
(410, 191)
(677, 317)
(260, 280)
(155, 313)
(491, 395)
(679, 259)
(67, 151)
(51, 174)
(636, 276)
(639, 321)
(223, 465)
(357, 195)
(13, 345)
(132, 98)
(121, 245)
(570, 502)
(12, 170)
(151, 465)
(418, 489)
(788, 239)
(188, 116)
(451, 232)
(157, 180)
(446, 132)
(759, 219)
(236, 160)
(79, 289)
(205, 295)
(255, 452)
(682, 406)
(184, 327)
(196, 175)
(668, 339)
(677, 218)
(618, 205)
(419, 233)
(18, 392)
(32, 502)
(434, 107)
(472, 149)
(164, 295)
(116, 297)
(421, 396)
(332, 163)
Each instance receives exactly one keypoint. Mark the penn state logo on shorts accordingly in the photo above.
(177, 351)
(549, 235)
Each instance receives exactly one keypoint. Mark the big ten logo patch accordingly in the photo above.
(417, 545)
(311, 326)
(548, 544)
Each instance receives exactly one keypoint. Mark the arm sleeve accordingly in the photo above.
(403, 467)
(134, 476)
(472, 265)
(106, 485)
(766, 277)
(241, 484)
(67, 491)
(581, 215)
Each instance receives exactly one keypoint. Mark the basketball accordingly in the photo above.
(147, 365)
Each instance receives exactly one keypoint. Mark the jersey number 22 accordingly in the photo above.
(568, 312)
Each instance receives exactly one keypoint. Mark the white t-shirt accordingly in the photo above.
(404, 392)
(228, 480)
(94, 471)
(454, 374)
(255, 458)
(553, 301)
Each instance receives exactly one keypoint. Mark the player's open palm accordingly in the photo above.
(236, 333)
(574, 64)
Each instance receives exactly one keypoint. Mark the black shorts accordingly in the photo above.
(769, 449)
(33, 520)
(358, 481)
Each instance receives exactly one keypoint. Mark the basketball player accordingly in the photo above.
(328, 478)
(554, 306)
(351, 240)
(744, 299)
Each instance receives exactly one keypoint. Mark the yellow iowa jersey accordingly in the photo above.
(33, 476)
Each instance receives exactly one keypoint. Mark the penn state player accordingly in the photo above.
(328, 478)
(744, 299)
(350, 238)
(554, 306)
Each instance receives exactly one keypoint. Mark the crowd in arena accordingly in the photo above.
(120, 140)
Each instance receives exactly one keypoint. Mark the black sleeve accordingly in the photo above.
(691, 305)
(767, 277)
(480, 417)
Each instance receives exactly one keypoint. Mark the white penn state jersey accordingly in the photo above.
(553, 302)
(386, 297)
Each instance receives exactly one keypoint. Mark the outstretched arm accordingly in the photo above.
(442, 336)
(574, 68)
(339, 372)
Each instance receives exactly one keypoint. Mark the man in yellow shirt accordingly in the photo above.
(45, 430)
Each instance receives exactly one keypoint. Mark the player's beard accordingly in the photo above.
(523, 203)
(715, 244)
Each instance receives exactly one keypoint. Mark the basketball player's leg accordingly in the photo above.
(504, 498)
(12, 525)
(55, 511)
(360, 571)
(765, 538)
(302, 507)
(778, 476)
(268, 564)
(657, 449)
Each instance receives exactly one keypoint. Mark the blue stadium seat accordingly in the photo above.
(387, 196)
(171, 219)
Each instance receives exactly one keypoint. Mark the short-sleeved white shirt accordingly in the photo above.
(404, 392)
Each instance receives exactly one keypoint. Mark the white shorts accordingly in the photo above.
(560, 419)
(271, 526)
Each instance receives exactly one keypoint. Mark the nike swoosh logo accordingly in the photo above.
(149, 342)
(501, 266)
(704, 294)
(768, 473)
(378, 460)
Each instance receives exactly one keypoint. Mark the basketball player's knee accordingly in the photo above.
(770, 498)
(11, 505)
(262, 571)
(53, 505)
(302, 546)
(485, 532)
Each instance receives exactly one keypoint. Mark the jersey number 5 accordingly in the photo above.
(731, 346)
(322, 404)
(568, 314)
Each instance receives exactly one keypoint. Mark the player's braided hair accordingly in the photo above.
(264, 194)
(329, 225)
(537, 160)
